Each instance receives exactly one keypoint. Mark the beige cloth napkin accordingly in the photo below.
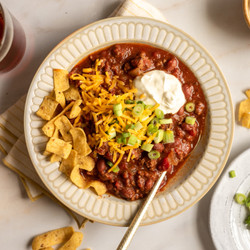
(12, 141)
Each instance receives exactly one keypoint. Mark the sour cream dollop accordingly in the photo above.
(157, 86)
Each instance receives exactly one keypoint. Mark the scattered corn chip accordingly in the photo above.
(51, 238)
(247, 92)
(77, 178)
(74, 242)
(75, 111)
(47, 108)
(64, 126)
(59, 147)
(80, 141)
(85, 162)
(244, 108)
(60, 98)
(72, 94)
(55, 158)
(61, 80)
(99, 187)
(245, 121)
(68, 164)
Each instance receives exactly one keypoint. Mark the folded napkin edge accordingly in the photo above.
(44, 192)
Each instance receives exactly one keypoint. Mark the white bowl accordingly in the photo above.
(203, 166)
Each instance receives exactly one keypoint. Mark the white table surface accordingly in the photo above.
(217, 24)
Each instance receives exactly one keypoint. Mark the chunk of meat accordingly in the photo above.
(188, 91)
(121, 52)
(142, 62)
(103, 171)
(151, 163)
(199, 108)
(158, 147)
(149, 184)
(190, 129)
(171, 64)
(103, 149)
(128, 193)
(182, 148)
(136, 153)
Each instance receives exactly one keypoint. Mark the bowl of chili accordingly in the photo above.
(193, 144)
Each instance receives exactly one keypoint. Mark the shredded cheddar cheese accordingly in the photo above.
(98, 102)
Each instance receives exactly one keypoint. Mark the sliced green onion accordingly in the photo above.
(155, 121)
(247, 220)
(159, 113)
(125, 134)
(141, 102)
(166, 121)
(130, 126)
(151, 129)
(138, 126)
(190, 107)
(190, 120)
(168, 136)
(112, 133)
(154, 154)
(129, 102)
(240, 198)
(139, 141)
(247, 203)
(159, 136)
(110, 164)
(132, 140)
(121, 139)
(149, 106)
(232, 174)
(117, 108)
(147, 147)
(116, 169)
(138, 110)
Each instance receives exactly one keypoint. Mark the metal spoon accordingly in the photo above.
(139, 215)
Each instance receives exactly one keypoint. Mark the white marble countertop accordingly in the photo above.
(218, 25)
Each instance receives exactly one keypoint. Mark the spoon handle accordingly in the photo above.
(139, 215)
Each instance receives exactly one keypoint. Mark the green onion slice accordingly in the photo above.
(155, 121)
(240, 198)
(138, 126)
(112, 133)
(132, 140)
(151, 129)
(159, 136)
(247, 220)
(129, 102)
(154, 154)
(116, 169)
(190, 107)
(117, 109)
(232, 174)
(166, 121)
(138, 110)
(125, 134)
(120, 139)
(110, 164)
(147, 147)
(159, 113)
(168, 136)
(247, 203)
(190, 120)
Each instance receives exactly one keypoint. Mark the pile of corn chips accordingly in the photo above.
(244, 111)
(67, 142)
(65, 236)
